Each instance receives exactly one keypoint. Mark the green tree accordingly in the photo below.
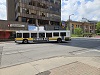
(78, 31)
(98, 27)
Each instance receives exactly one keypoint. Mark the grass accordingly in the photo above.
(73, 35)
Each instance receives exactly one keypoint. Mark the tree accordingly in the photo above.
(98, 27)
(78, 31)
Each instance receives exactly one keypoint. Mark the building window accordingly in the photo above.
(32, 3)
(46, 0)
(41, 5)
(27, 11)
(76, 26)
(18, 9)
(72, 26)
(24, 19)
(23, 1)
(42, 14)
(24, 10)
(52, 1)
(33, 12)
(56, 28)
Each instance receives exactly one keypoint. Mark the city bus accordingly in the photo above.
(37, 36)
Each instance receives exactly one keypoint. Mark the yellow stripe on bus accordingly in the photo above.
(54, 38)
(23, 38)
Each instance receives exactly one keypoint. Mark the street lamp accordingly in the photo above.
(27, 23)
(69, 22)
(70, 15)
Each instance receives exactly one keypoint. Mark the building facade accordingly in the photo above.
(22, 14)
(87, 27)
(38, 12)
(8, 28)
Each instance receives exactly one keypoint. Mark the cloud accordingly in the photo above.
(3, 1)
(80, 8)
(3, 14)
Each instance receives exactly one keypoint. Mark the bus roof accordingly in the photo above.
(43, 31)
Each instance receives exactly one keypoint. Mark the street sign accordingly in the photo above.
(15, 25)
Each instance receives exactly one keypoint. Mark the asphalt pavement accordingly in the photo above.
(14, 55)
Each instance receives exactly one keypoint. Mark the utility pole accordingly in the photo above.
(27, 23)
(37, 29)
(69, 27)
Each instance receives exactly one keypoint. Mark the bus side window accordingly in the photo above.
(63, 34)
(56, 34)
(48, 34)
(19, 35)
(33, 35)
(25, 35)
(41, 34)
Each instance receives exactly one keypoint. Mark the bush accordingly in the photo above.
(78, 31)
(98, 33)
(73, 35)
(67, 39)
(87, 35)
(98, 27)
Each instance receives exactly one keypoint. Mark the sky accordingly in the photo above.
(3, 14)
(89, 9)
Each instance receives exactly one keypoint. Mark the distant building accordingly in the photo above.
(87, 27)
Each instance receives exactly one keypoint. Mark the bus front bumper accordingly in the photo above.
(18, 41)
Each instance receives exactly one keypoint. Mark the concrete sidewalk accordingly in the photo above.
(57, 66)
(87, 37)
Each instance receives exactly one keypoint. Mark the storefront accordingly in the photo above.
(7, 35)
(8, 28)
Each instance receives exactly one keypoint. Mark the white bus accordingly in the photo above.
(34, 36)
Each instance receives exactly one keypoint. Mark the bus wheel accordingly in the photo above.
(25, 41)
(59, 40)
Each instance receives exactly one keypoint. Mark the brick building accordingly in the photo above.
(87, 27)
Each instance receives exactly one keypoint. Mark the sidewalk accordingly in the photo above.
(57, 66)
(96, 37)
(7, 41)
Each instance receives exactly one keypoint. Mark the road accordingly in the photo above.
(14, 54)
